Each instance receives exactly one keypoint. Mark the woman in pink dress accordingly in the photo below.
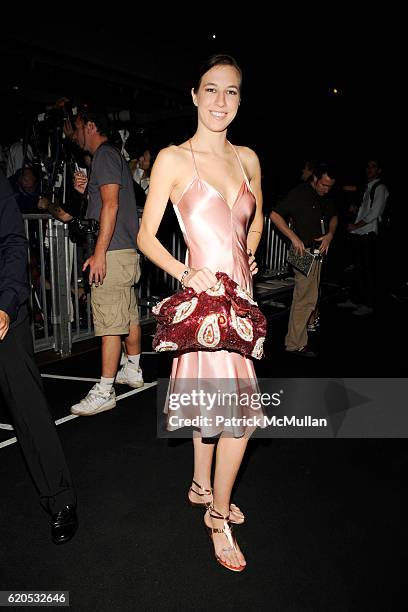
(215, 189)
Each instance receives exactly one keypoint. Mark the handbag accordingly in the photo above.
(224, 317)
(302, 263)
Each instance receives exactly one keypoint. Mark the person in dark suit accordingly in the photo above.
(20, 380)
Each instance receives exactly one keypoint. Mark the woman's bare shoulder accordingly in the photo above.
(249, 159)
(167, 155)
(172, 154)
(247, 154)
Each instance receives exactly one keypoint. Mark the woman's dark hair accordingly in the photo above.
(218, 59)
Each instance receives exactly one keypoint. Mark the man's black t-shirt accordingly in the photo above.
(307, 208)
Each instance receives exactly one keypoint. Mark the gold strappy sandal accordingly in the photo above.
(227, 531)
(203, 504)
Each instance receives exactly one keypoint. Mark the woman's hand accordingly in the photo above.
(200, 280)
(253, 266)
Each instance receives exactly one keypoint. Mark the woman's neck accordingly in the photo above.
(211, 142)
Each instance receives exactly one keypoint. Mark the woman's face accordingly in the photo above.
(218, 97)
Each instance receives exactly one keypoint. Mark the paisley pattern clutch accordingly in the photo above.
(223, 317)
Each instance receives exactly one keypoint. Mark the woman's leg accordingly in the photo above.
(230, 452)
(203, 456)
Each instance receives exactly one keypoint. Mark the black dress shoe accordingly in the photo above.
(64, 525)
(304, 351)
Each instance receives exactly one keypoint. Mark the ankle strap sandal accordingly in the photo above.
(202, 492)
(227, 531)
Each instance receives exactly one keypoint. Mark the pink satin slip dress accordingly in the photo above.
(215, 234)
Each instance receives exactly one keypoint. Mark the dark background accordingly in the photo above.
(144, 60)
(325, 526)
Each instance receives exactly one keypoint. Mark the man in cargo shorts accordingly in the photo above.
(114, 266)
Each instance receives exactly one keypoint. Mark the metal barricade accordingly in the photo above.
(60, 298)
(56, 317)
(42, 327)
(273, 251)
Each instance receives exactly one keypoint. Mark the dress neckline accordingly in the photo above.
(212, 188)
(220, 194)
(197, 176)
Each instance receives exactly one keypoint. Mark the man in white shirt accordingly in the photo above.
(373, 204)
(365, 233)
(17, 157)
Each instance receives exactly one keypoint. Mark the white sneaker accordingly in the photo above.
(131, 376)
(348, 304)
(363, 310)
(96, 401)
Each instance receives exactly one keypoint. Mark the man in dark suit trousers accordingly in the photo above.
(20, 380)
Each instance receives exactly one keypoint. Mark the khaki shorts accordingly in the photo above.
(114, 303)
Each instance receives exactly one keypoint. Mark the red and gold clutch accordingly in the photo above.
(223, 317)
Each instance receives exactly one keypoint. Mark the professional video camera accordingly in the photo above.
(48, 136)
(82, 230)
(54, 117)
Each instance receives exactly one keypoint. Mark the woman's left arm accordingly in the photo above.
(256, 227)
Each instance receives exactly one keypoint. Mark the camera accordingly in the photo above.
(81, 228)
(55, 116)
(47, 137)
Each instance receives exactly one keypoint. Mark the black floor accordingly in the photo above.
(325, 518)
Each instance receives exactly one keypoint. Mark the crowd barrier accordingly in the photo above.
(60, 298)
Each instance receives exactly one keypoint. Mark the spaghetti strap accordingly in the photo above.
(240, 163)
(194, 161)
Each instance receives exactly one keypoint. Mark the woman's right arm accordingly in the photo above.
(162, 181)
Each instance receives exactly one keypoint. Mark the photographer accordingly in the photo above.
(114, 265)
(57, 154)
